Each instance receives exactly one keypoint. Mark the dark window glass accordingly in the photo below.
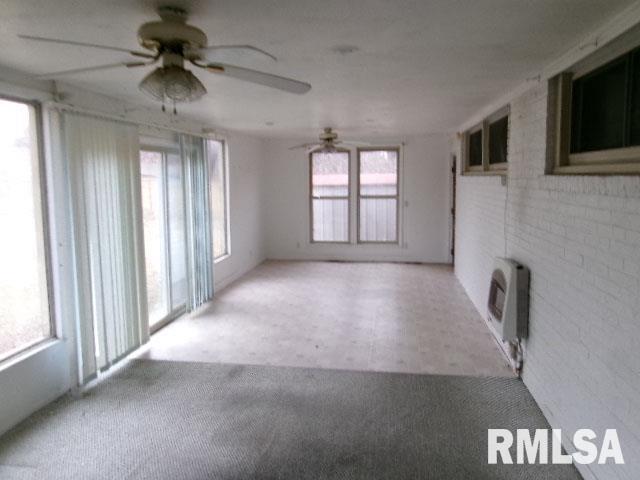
(599, 108)
(634, 113)
(498, 134)
(475, 149)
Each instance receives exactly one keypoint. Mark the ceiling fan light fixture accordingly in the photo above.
(172, 83)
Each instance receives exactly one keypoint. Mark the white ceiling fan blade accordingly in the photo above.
(239, 49)
(261, 78)
(82, 44)
(92, 69)
(305, 146)
(356, 143)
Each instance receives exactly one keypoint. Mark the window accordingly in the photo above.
(24, 298)
(598, 127)
(164, 233)
(329, 183)
(219, 196)
(486, 144)
(378, 195)
(475, 148)
(498, 136)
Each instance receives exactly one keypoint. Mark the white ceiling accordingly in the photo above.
(420, 66)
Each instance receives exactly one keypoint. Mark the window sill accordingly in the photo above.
(28, 352)
(329, 242)
(485, 173)
(221, 259)
(598, 169)
(384, 243)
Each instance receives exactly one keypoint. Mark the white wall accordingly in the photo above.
(580, 236)
(480, 233)
(425, 190)
(246, 189)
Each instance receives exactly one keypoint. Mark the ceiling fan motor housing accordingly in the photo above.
(328, 135)
(172, 33)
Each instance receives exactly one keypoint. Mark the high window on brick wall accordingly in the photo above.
(485, 145)
(597, 113)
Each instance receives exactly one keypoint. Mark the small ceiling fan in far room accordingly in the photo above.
(327, 144)
(175, 42)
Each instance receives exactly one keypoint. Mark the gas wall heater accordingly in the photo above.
(509, 299)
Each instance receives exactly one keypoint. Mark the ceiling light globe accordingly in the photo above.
(172, 83)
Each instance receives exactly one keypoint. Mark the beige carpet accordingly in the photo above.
(197, 421)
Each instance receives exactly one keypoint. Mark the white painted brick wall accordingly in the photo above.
(479, 233)
(580, 236)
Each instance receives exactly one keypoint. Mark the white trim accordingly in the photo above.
(221, 258)
(123, 118)
(20, 355)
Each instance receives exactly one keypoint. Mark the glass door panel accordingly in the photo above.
(154, 226)
(177, 234)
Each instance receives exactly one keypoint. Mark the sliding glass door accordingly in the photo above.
(164, 234)
(176, 231)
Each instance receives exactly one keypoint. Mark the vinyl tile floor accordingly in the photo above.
(387, 317)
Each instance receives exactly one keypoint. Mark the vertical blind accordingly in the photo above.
(198, 221)
(104, 185)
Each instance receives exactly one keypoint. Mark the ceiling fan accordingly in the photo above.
(175, 42)
(327, 144)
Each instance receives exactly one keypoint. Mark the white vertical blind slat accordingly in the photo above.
(199, 238)
(104, 183)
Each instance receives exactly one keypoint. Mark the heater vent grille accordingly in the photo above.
(509, 299)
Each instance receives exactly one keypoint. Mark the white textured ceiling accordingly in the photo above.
(420, 66)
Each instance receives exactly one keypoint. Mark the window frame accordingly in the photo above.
(487, 168)
(614, 161)
(359, 197)
(225, 183)
(347, 198)
(55, 332)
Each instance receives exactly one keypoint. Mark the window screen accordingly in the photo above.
(378, 195)
(330, 197)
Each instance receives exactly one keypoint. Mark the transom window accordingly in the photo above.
(378, 195)
(329, 184)
(24, 288)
